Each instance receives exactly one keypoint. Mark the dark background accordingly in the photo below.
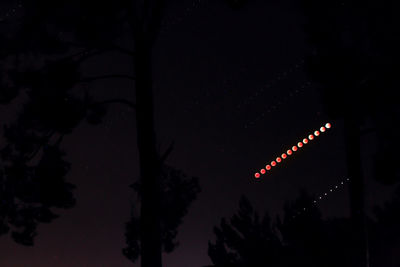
(211, 63)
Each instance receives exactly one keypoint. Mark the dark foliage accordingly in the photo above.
(246, 240)
(39, 68)
(385, 233)
(29, 193)
(301, 239)
(178, 193)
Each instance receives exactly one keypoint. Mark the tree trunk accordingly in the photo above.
(149, 160)
(354, 169)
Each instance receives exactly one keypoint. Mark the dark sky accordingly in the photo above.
(228, 88)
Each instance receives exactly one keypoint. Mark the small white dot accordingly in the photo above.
(326, 194)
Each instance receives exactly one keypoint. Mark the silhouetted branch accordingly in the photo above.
(111, 76)
(40, 146)
(109, 48)
(84, 52)
(123, 50)
(104, 48)
(89, 55)
(167, 152)
(117, 101)
(59, 140)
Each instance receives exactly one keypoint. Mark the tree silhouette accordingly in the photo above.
(385, 233)
(42, 56)
(301, 232)
(178, 192)
(246, 240)
(28, 193)
(312, 241)
(302, 238)
(32, 163)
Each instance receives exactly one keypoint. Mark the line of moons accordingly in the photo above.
(291, 151)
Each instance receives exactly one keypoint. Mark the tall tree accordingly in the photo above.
(46, 50)
(177, 193)
(246, 240)
(38, 74)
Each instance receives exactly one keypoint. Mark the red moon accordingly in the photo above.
(300, 144)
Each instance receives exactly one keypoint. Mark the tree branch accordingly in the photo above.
(111, 76)
(104, 48)
(117, 101)
(40, 146)
(89, 55)
(83, 52)
(167, 152)
(123, 50)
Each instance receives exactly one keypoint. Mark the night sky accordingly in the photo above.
(232, 93)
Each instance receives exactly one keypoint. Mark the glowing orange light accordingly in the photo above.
(289, 152)
(300, 144)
